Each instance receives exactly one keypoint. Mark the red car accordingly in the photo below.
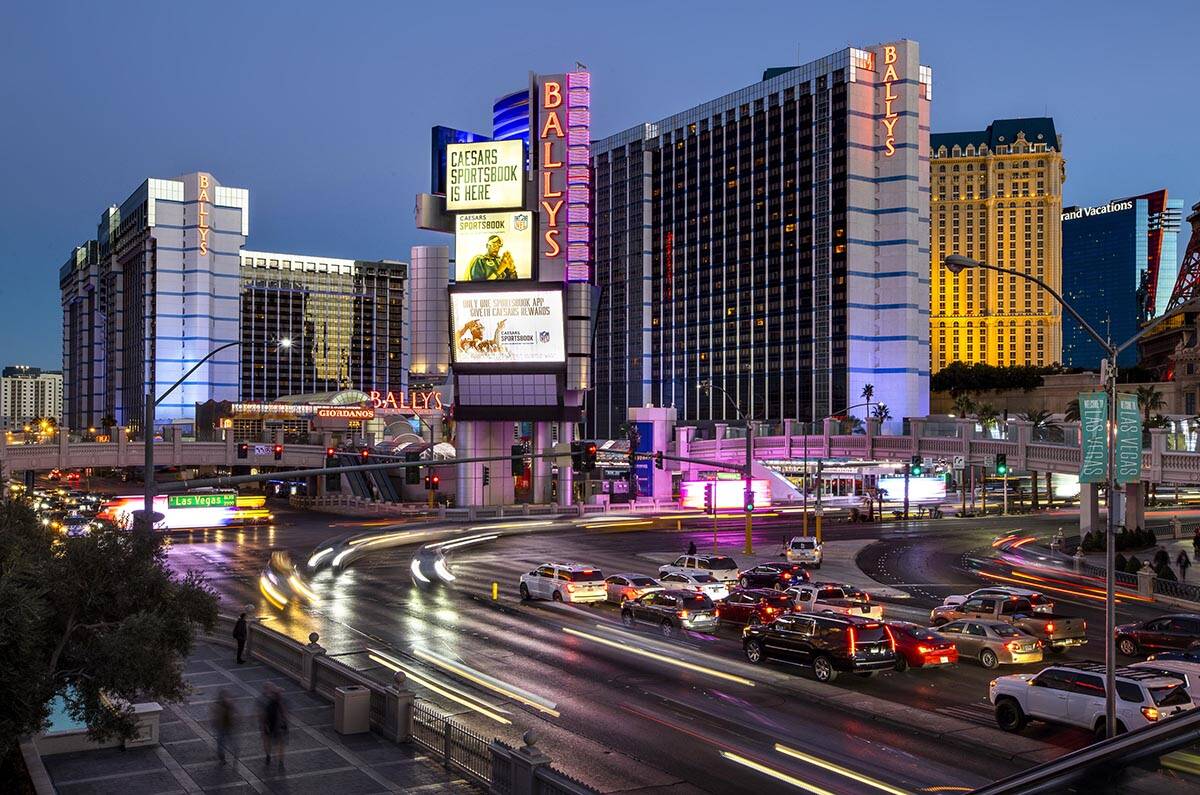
(918, 647)
(753, 606)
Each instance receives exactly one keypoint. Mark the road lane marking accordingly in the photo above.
(659, 657)
(775, 774)
(841, 771)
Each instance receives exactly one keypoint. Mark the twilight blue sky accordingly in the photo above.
(323, 109)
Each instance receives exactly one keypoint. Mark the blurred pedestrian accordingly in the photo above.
(691, 548)
(274, 722)
(1196, 543)
(239, 634)
(1183, 562)
(222, 718)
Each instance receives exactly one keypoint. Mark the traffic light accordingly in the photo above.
(487, 476)
(518, 459)
(916, 467)
(658, 460)
(333, 480)
(329, 456)
(278, 452)
(435, 480)
(243, 450)
(748, 499)
(364, 455)
(589, 456)
(412, 474)
(710, 505)
(1001, 464)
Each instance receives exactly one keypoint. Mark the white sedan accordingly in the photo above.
(701, 583)
(623, 587)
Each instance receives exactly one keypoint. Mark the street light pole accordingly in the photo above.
(956, 263)
(747, 473)
(147, 519)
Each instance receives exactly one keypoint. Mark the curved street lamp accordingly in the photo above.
(957, 263)
(147, 519)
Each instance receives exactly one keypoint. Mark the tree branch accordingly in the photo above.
(62, 642)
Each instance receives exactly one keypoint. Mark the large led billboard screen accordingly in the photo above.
(519, 327)
(493, 246)
(485, 176)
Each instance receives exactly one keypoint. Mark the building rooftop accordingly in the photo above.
(1000, 132)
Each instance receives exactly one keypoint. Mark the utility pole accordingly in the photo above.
(747, 496)
(906, 472)
(820, 508)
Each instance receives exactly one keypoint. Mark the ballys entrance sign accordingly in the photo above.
(412, 401)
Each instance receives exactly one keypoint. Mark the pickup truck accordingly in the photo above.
(1057, 632)
(827, 598)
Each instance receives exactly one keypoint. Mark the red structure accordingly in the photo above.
(1187, 284)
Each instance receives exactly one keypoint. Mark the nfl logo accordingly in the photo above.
(521, 222)
(544, 336)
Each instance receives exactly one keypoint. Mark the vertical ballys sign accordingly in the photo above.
(890, 116)
(563, 105)
(1093, 422)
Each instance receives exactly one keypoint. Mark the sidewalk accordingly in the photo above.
(318, 759)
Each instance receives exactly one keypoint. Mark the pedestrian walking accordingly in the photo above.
(1183, 562)
(1196, 543)
(274, 722)
(691, 548)
(222, 718)
(239, 634)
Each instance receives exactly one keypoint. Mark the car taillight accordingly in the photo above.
(787, 576)
(1013, 645)
(1150, 713)
(890, 636)
(923, 650)
(683, 614)
(1049, 626)
(570, 587)
(1085, 624)
(852, 639)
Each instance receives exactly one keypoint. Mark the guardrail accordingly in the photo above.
(399, 716)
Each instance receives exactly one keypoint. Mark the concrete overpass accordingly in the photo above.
(942, 441)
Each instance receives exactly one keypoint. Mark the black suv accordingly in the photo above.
(780, 574)
(671, 611)
(830, 644)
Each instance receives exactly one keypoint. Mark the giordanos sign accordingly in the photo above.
(1075, 213)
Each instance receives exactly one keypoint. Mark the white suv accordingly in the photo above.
(1073, 694)
(719, 567)
(804, 550)
(564, 582)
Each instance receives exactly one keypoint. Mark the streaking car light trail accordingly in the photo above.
(775, 774)
(841, 771)
(415, 567)
(317, 556)
(463, 542)
(491, 683)
(701, 669)
(443, 573)
(268, 590)
(457, 696)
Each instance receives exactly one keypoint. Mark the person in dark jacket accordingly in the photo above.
(274, 722)
(1196, 543)
(691, 548)
(1183, 562)
(239, 634)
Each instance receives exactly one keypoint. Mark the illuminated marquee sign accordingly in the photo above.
(202, 224)
(413, 401)
(890, 116)
(493, 246)
(508, 327)
(564, 178)
(485, 176)
(346, 413)
(1076, 213)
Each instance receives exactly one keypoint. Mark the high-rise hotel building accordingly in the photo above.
(166, 281)
(774, 241)
(997, 198)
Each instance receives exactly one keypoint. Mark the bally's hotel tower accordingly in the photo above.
(775, 241)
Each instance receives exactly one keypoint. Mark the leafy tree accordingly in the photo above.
(1038, 420)
(98, 619)
(882, 412)
(964, 405)
(959, 377)
(987, 415)
(1149, 400)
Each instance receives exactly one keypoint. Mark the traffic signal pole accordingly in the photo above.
(748, 495)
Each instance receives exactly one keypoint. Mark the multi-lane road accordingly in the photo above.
(627, 710)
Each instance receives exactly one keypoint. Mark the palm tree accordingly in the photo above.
(1072, 412)
(986, 415)
(882, 412)
(963, 405)
(868, 392)
(1039, 419)
(1149, 400)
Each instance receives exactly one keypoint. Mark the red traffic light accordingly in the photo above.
(436, 479)
(279, 448)
(591, 448)
(329, 451)
(365, 454)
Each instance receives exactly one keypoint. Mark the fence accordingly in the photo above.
(400, 717)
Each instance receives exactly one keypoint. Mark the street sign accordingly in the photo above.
(989, 460)
(263, 449)
(220, 500)
(1093, 420)
(1129, 439)
(960, 462)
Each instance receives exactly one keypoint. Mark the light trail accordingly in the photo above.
(299, 586)
(841, 771)
(317, 556)
(268, 590)
(775, 774)
(659, 657)
(443, 573)
(415, 567)
(457, 696)
(491, 683)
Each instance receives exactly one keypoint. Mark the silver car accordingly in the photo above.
(625, 586)
(991, 643)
